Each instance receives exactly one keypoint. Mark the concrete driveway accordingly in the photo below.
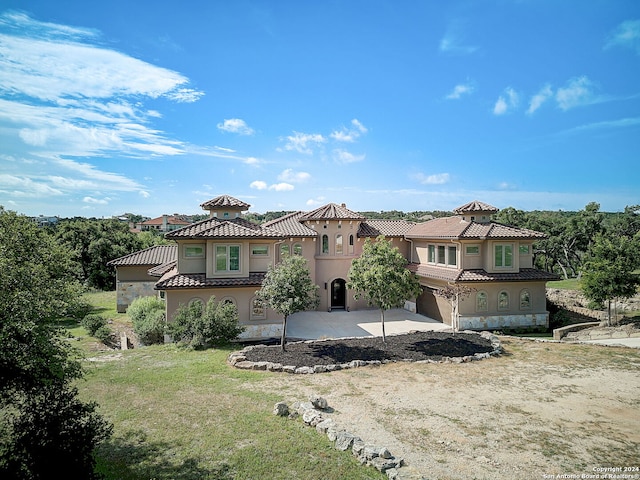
(359, 323)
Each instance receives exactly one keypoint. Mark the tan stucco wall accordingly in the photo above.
(134, 274)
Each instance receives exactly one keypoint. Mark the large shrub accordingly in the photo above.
(201, 326)
(93, 322)
(148, 318)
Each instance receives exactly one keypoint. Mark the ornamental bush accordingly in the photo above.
(201, 326)
(93, 322)
(148, 318)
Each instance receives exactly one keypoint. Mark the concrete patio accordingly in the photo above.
(359, 323)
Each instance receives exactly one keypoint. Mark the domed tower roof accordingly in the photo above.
(225, 206)
(476, 211)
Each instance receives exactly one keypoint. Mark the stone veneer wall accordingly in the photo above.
(127, 292)
(497, 322)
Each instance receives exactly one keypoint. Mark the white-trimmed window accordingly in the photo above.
(472, 249)
(339, 244)
(524, 249)
(431, 253)
(503, 255)
(482, 301)
(351, 244)
(284, 250)
(297, 249)
(194, 251)
(325, 244)
(525, 300)
(452, 255)
(442, 255)
(227, 258)
(259, 250)
(503, 300)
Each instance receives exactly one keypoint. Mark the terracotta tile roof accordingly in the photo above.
(291, 226)
(171, 220)
(155, 255)
(475, 206)
(388, 228)
(524, 275)
(480, 275)
(224, 201)
(332, 211)
(174, 280)
(224, 228)
(160, 270)
(456, 228)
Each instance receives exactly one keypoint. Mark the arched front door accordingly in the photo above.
(338, 293)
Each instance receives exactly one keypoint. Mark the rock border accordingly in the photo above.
(239, 360)
(313, 414)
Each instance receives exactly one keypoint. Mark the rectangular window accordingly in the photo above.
(451, 256)
(473, 249)
(338, 244)
(194, 251)
(227, 258)
(441, 254)
(503, 255)
(431, 254)
(260, 250)
(524, 249)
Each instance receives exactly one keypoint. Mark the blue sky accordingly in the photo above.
(154, 107)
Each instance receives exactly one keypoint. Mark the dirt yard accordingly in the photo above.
(539, 409)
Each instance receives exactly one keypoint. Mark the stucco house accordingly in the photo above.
(228, 256)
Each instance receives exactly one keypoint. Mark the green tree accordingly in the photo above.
(94, 243)
(609, 270)
(45, 430)
(381, 277)
(287, 288)
(199, 327)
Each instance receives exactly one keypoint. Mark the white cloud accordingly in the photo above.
(289, 175)
(72, 96)
(610, 124)
(453, 41)
(96, 201)
(23, 186)
(460, 90)
(281, 187)
(236, 125)
(507, 101)
(252, 161)
(106, 180)
(313, 202)
(303, 142)
(258, 185)
(578, 92)
(343, 156)
(627, 34)
(434, 179)
(539, 98)
(349, 134)
(144, 194)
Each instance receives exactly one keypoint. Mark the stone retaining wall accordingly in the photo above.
(315, 413)
(239, 360)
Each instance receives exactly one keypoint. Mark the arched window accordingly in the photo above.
(503, 300)
(525, 300)
(297, 249)
(351, 244)
(258, 310)
(339, 244)
(228, 300)
(325, 243)
(481, 301)
(284, 250)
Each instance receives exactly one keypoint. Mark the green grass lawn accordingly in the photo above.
(571, 284)
(181, 414)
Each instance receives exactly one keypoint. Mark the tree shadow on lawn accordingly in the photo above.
(134, 456)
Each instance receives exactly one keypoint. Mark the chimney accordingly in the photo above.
(165, 223)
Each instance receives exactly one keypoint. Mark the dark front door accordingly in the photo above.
(338, 293)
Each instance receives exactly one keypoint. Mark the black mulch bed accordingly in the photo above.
(412, 346)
